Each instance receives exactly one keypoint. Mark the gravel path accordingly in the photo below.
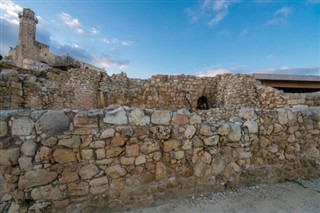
(291, 197)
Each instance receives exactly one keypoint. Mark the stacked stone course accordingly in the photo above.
(121, 157)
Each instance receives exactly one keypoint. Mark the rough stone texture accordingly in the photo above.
(116, 116)
(53, 123)
(137, 117)
(9, 156)
(22, 126)
(62, 155)
(36, 178)
(88, 171)
(3, 129)
(126, 165)
(161, 117)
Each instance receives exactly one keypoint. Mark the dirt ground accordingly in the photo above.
(299, 196)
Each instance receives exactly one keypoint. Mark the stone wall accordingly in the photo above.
(121, 157)
(86, 89)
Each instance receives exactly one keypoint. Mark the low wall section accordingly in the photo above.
(120, 157)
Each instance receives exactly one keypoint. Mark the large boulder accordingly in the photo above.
(53, 123)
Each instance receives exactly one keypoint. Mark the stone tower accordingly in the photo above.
(27, 35)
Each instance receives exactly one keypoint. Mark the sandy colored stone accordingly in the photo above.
(3, 129)
(252, 126)
(44, 155)
(119, 141)
(137, 117)
(148, 147)
(73, 143)
(64, 155)
(78, 189)
(28, 148)
(132, 150)
(107, 133)
(113, 151)
(161, 117)
(47, 193)
(83, 119)
(161, 171)
(235, 132)
(180, 119)
(99, 185)
(190, 131)
(69, 174)
(170, 145)
(36, 178)
(87, 154)
(9, 156)
(141, 159)
(127, 160)
(206, 130)
(224, 129)
(115, 171)
(88, 171)
(211, 141)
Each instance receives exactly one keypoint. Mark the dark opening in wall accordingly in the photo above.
(202, 103)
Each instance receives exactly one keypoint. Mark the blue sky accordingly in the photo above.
(201, 37)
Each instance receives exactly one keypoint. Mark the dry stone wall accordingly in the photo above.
(121, 157)
(85, 89)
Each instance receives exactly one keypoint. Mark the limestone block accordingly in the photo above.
(77, 189)
(50, 142)
(116, 116)
(180, 119)
(141, 159)
(53, 123)
(100, 153)
(178, 155)
(137, 117)
(113, 151)
(3, 129)
(69, 174)
(127, 160)
(224, 129)
(187, 145)
(206, 158)
(115, 171)
(132, 150)
(107, 133)
(247, 113)
(22, 126)
(170, 145)
(28, 148)
(161, 132)
(84, 119)
(99, 185)
(282, 116)
(206, 130)
(47, 193)
(87, 154)
(161, 117)
(64, 155)
(161, 171)
(88, 171)
(277, 128)
(25, 163)
(235, 132)
(252, 126)
(149, 146)
(73, 142)
(211, 141)
(190, 131)
(264, 142)
(119, 141)
(9, 157)
(36, 178)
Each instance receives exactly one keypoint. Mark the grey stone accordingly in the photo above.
(73, 142)
(22, 126)
(76, 188)
(28, 148)
(282, 116)
(224, 129)
(9, 156)
(99, 185)
(161, 117)
(235, 132)
(206, 130)
(53, 123)
(252, 126)
(211, 141)
(247, 113)
(36, 178)
(47, 193)
(107, 133)
(190, 131)
(25, 163)
(116, 116)
(137, 117)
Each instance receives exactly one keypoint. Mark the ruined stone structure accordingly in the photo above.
(31, 54)
(81, 140)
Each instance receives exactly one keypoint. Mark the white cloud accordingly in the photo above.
(214, 11)
(213, 72)
(106, 62)
(94, 31)
(308, 70)
(280, 16)
(71, 22)
(116, 41)
(9, 12)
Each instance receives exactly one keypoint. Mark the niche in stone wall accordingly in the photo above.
(202, 103)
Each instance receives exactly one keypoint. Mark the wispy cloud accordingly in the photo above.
(9, 12)
(70, 22)
(308, 70)
(279, 16)
(94, 31)
(213, 72)
(107, 62)
(214, 11)
(116, 41)
(244, 32)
